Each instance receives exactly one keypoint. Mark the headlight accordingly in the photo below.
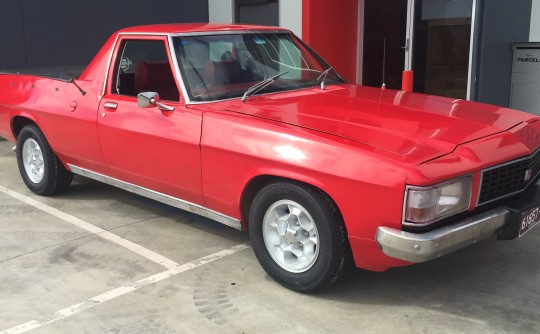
(426, 205)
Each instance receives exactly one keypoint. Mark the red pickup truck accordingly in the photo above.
(248, 126)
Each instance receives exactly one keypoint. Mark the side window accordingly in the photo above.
(143, 66)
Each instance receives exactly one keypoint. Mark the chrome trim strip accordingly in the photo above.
(404, 208)
(172, 51)
(533, 178)
(109, 67)
(268, 93)
(142, 34)
(206, 33)
(114, 48)
(163, 198)
(421, 247)
(479, 189)
(227, 32)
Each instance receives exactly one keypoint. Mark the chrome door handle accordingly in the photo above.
(110, 105)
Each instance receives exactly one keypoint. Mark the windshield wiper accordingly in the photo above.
(261, 85)
(323, 75)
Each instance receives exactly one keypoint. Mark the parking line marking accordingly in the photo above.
(104, 297)
(135, 248)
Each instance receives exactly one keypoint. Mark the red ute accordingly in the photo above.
(250, 127)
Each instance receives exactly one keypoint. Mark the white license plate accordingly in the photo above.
(529, 219)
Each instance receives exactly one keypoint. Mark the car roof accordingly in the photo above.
(194, 27)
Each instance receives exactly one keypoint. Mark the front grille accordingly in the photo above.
(509, 178)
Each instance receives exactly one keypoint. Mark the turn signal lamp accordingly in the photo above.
(426, 205)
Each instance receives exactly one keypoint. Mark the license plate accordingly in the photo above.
(529, 219)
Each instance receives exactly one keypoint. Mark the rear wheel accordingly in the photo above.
(298, 236)
(40, 168)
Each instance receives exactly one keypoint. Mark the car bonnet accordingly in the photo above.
(416, 127)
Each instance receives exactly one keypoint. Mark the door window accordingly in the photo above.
(143, 66)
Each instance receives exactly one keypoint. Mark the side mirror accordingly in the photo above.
(146, 99)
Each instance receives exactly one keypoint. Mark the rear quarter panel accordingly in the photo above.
(66, 117)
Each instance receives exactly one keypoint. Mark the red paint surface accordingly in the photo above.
(331, 28)
(360, 145)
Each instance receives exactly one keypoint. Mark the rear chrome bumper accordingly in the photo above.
(421, 247)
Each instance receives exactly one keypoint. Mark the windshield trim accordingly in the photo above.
(315, 88)
(229, 32)
(177, 72)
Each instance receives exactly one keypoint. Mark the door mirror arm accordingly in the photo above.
(145, 99)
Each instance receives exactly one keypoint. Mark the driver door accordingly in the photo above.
(148, 147)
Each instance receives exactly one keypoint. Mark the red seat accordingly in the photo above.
(156, 77)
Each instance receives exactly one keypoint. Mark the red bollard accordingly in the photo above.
(407, 81)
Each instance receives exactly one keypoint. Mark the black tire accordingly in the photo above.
(334, 255)
(55, 177)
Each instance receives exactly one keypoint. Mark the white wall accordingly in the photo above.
(290, 13)
(534, 35)
(290, 16)
(221, 11)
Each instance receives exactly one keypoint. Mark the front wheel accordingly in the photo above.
(40, 168)
(298, 236)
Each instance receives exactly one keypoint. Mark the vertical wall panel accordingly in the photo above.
(66, 32)
(534, 35)
(332, 30)
(221, 11)
(503, 22)
(12, 50)
(290, 15)
(262, 12)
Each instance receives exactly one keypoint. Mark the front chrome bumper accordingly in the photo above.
(421, 247)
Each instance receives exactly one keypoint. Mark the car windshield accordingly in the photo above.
(217, 67)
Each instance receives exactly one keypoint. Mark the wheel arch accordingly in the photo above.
(258, 182)
(322, 269)
(19, 122)
(52, 176)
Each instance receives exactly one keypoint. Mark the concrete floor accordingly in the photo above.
(102, 260)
